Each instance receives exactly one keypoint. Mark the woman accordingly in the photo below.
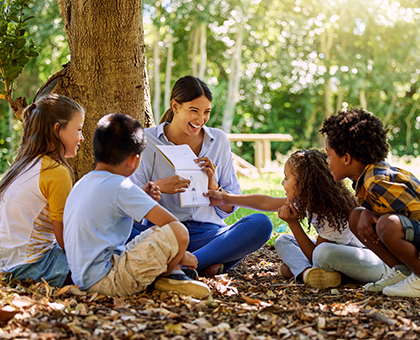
(218, 247)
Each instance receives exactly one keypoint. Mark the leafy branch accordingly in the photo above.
(15, 49)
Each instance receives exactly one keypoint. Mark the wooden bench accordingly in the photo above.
(262, 145)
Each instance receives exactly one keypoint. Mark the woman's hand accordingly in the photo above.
(366, 227)
(288, 213)
(189, 260)
(208, 166)
(216, 197)
(152, 190)
(173, 184)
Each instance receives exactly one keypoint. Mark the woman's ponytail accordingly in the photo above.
(167, 116)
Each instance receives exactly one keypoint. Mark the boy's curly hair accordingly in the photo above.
(358, 133)
(317, 192)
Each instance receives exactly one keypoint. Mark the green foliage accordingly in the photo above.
(15, 49)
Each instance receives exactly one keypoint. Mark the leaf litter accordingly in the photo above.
(249, 302)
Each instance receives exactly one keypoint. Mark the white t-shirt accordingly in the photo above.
(29, 205)
(345, 237)
(98, 218)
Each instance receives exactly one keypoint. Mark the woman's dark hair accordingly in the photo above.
(318, 193)
(39, 135)
(185, 90)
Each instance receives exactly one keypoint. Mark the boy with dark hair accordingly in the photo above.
(98, 218)
(388, 220)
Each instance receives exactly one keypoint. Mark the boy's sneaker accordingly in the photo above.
(320, 278)
(409, 287)
(191, 273)
(182, 284)
(392, 278)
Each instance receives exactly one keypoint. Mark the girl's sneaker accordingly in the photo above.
(409, 287)
(320, 278)
(392, 278)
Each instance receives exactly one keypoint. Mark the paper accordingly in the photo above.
(181, 157)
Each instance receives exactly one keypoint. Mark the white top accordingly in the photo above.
(29, 205)
(216, 146)
(345, 237)
(98, 218)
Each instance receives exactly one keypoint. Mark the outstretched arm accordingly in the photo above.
(253, 201)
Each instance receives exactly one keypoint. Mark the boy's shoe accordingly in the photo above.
(191, 273)
(213, 270)
(320, 278)
(409, 287)
(392, 278)
(182, 284)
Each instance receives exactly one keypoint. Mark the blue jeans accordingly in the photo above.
(52, 267)
(212, 243)
(360, 264)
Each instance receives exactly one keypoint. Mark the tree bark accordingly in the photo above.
(203, 51)
(156, 77)
(234, 80)
(195, 37)
(107, 73)
(168, 74)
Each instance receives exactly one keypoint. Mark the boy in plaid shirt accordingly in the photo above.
(388, 220)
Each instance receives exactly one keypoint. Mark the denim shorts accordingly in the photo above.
(53, 267)
(411, 230)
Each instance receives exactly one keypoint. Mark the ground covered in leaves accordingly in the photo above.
(250, 302)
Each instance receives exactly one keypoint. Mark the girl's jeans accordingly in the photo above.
(212, 243)
(360, 264)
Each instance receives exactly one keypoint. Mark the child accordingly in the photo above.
(388, 221)
(312, 192)
(35, 188)
(99, 215)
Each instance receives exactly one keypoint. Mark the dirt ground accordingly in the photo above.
(250, 302)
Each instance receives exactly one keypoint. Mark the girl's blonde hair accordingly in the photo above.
(318, 193)
(39, 137)
(185, 90)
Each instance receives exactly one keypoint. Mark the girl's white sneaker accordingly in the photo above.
(409, 287)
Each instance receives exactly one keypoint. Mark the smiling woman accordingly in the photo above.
(217, 246)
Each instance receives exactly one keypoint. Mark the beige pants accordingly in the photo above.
(135, 269)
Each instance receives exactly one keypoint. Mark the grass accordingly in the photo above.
(267, 184)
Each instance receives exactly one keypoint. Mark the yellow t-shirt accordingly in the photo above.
(29, 205)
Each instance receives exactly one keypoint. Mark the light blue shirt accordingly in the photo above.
(98, 218)
(216, 146)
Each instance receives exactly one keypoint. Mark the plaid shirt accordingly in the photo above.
(385, 189)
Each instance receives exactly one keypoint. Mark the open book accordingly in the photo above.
(181, 157)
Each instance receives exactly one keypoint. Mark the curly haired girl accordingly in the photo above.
(312, 193)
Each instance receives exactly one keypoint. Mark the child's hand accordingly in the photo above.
(216, 197)
(152, 190)
(288, 213)
(208, 166)
(366, 227)
(189, 260)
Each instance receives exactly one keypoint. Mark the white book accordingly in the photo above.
(181, 157)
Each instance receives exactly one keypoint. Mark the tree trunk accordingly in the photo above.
(156, 77)
(362, 96)
(168, 73)
(408, 120)
(233, 82)
(195, 34)
(203, 51)
(107, 73)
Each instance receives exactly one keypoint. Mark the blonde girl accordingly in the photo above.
(34, 190)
